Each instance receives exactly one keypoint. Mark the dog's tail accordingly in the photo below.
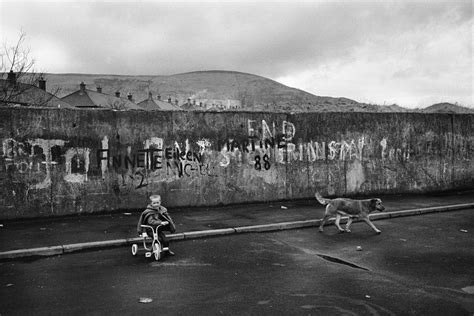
(320, 199)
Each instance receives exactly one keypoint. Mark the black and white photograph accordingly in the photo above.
(236, 157)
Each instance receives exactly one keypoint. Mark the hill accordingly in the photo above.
(219, 88)
(225, 89)
(447, 108)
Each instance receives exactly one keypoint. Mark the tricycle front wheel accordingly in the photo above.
(134, 249)
(157, 250)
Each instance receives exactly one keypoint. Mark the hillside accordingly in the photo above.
(447, 108)
(225, 88)
(245, 91)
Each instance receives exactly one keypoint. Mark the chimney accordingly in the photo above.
(99, 89)
(117, 94)
(189, 101)
(129, 96)
(169, 99)
(150, 96)
(11, 78)
(42, 84)
(158, 97)
(176, 101)
(82, 86)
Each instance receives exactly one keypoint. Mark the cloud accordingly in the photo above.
(415, 66)
(401, 52)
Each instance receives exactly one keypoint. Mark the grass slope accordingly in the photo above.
(251, 91)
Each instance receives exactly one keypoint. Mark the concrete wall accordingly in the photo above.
(59, 161)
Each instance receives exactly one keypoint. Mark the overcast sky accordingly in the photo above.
(412, 53)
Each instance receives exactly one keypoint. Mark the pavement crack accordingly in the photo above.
(340, 261)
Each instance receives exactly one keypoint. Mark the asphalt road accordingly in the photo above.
(419, 265)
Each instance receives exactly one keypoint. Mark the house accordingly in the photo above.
(15, 93)
(85, 98)
(188, 105)
(150, 104)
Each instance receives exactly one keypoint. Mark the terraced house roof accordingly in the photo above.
(21, 94)
(150, 104)
(84, 98)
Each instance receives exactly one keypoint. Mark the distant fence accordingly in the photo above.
(60, 161)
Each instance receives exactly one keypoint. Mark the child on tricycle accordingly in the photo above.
(153, 222)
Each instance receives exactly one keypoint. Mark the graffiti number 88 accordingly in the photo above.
(258, 162)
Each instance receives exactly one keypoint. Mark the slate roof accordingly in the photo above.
(21, 94)
(84, 98)
(151, 105)
(188, 106)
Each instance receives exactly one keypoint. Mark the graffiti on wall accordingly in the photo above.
(272, 145)
(155, 159)
(158, 160)
(33, 159)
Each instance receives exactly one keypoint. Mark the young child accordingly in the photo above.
(154, 215)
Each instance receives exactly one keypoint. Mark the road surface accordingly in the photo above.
(419, 265)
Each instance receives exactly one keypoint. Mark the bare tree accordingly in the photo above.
(19, 81)
(16, 58)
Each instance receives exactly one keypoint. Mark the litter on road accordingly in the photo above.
(468, 289)
(145, 300)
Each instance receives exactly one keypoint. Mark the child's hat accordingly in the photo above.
(155, 198)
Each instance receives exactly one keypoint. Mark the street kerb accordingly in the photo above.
(69, 248)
